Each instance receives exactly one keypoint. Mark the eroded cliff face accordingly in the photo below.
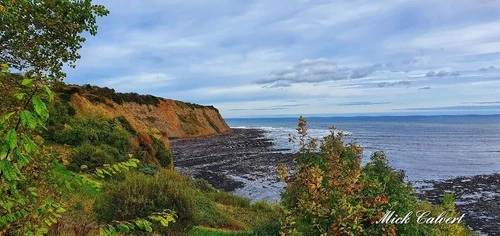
(163, 118)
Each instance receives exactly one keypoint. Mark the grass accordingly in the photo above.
(204, 231)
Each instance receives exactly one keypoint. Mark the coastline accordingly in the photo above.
(243, 162)
(478, 197)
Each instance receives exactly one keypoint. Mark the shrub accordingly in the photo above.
(94, 130)
(163, 155)
(93, 156)
(139, 195)
(147, 169)
(330, 193)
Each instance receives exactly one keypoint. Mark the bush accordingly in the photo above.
(163, 155)
(60, 114)
(330, 193)
(95, 131)
(139, 195)
(147, 169)
(93, 157)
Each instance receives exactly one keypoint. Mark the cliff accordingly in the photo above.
(146, 114)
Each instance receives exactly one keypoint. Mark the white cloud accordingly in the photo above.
(212, 52)
(138, 82)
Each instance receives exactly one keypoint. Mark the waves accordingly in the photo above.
(430, 148)
(281, 135)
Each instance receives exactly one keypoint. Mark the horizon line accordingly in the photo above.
(356, 116)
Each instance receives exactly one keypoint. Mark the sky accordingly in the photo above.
(297, 57)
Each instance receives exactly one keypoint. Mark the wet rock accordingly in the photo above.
(478, 197)
(233, 161)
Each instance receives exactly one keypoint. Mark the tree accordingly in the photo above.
(37, 39)
(40, 37)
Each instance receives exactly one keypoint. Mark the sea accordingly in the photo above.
(424, 147)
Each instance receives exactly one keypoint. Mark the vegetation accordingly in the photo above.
(100, 94)
(40, 37)
(64, 174)
(332, 194)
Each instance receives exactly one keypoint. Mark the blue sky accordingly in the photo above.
(293, 57)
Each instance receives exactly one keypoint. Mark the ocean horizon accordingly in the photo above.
(431, 147)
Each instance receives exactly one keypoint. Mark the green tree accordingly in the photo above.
(39, 37)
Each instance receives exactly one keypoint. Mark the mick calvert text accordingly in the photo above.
(421, 217)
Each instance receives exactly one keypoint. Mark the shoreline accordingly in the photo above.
(243, 162)
(478, 197)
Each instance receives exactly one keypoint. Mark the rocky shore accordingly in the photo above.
(243, 161)
(478, 197)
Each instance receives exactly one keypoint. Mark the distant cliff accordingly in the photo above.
(163, 118)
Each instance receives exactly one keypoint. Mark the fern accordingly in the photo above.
(164, 219)
(113, 169)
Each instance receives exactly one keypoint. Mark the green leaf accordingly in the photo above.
(9, 115)
(40, 107)
(144, 225)
(11, 139)
(104, 232)
(49, 93)
(22, 160)
(124, 228)
(26, 82)
(20, 96)
(29, 144)
(3, 151)
(28, 120)
(8, 170)
(61, 210)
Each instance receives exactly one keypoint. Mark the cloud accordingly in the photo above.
(316, 70)
(248, 52)
(392, 84)
(486, 68)
(441, 74)
(279, 84)
(138, 82)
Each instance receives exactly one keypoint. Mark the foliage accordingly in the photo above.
(29, 198)
(163, 155)
(330, 193)
(110, 170)
(60, 114)
(100, 94)
(94, 130)
(162, 218)
(139, 195)
(147, 169)
(88, 157)
(41, 37)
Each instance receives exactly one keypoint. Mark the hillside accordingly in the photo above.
(165, 118)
